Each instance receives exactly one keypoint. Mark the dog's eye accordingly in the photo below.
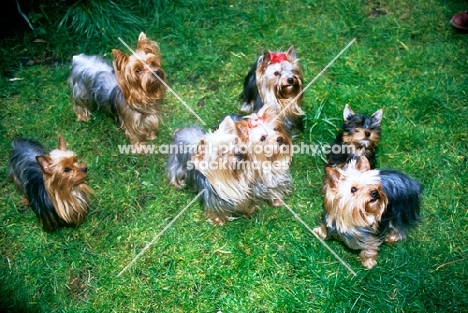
(67, 169)
(263, 138)
(353, 189)
(277, 73)
(138, 71)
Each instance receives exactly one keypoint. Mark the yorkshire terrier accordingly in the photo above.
(276, 79)
(365, 208)
(228, 164)
(52, 183)
(131, 91)
(360, 135)
(211, 162)
(270, 155)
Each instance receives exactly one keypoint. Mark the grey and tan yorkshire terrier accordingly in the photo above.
(52, 183)
(132, 90)
(270, 155)
(276, 79)
(364, 208)
(233, 165)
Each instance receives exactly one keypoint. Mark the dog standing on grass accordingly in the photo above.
(132, 90)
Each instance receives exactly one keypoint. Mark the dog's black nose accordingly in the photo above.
(240, 156)
(367, 133)
(290, 80)
(84, 170)
(279, 139)
(374, 194)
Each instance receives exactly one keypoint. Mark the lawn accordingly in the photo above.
(406, 59)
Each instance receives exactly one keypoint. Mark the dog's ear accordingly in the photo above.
(333, 176)
(62, 144)
(363, 164)
(264, 61)
(148, 46)
(347, 113)
(44, 162)
(269, 113)
(120, 59)
(199, 153)
(377, 117)
(142, 36)
(242, 130)
(291, 53)
(228, 126)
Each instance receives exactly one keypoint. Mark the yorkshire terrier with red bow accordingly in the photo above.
(132, 90)
(270, 155)
(276, 80)
(241, 163)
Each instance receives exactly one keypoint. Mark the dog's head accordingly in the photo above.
(267, 136)
(354, 196)
(361, 131)
(280, 74)
(140, 75)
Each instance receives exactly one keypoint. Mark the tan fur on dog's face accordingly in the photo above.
(268, 137)
(285, 77)
(354, 197)
(361, 136)
(137, 75)
(279, 83)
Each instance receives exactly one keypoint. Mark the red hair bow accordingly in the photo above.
(255, 121)
(278, 57)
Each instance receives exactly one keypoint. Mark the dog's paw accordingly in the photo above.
(321, 231)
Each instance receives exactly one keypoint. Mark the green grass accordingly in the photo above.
(407, 59)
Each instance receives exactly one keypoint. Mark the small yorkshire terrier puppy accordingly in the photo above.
(360, 135)
(364, 207)
(276, 80)
(131, 91)
(242, 162)
(53, 183)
